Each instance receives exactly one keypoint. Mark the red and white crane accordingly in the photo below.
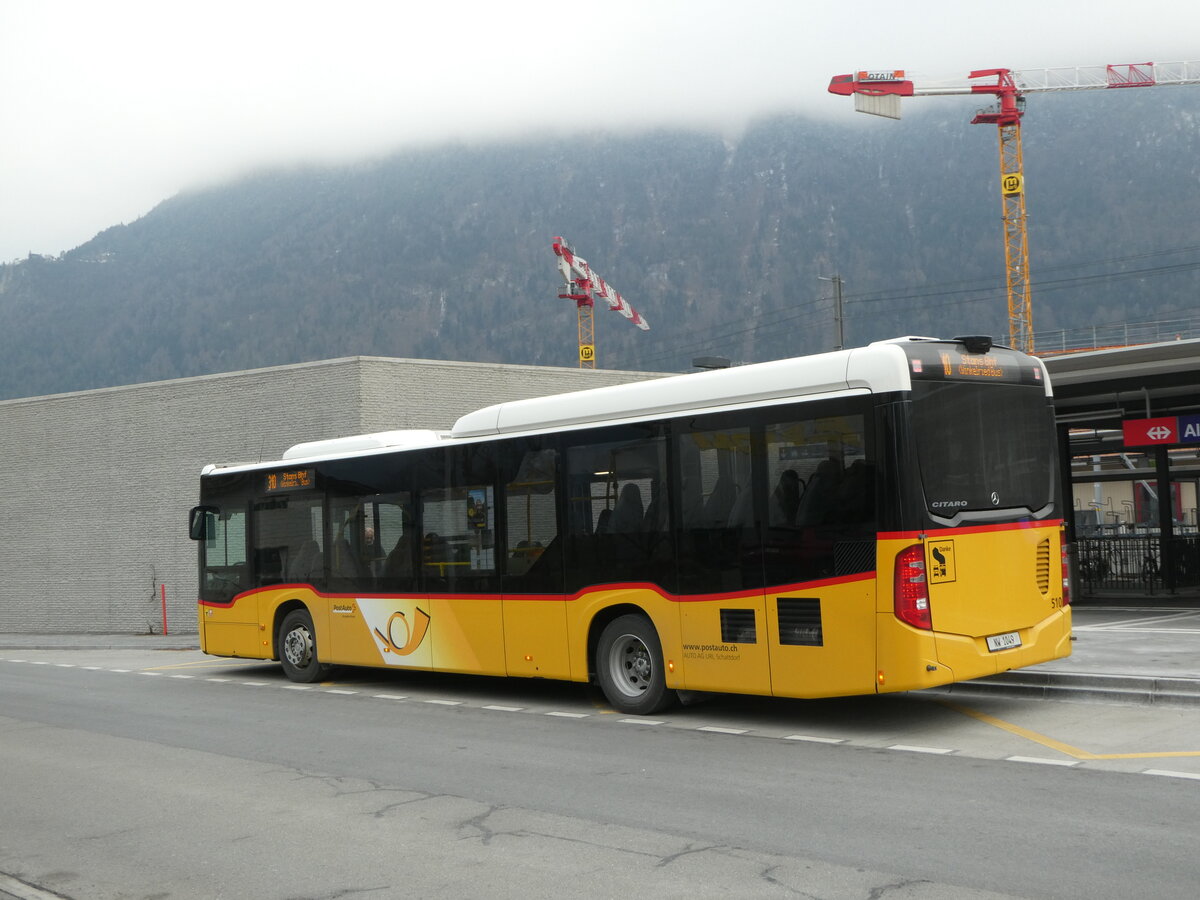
(879, 92)
(582, 285)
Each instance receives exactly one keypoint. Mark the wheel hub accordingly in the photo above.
(297, 647)
(633, 667)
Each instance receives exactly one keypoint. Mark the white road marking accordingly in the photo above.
(813, 739)
(1172, 774)
(1042, 761)
(910, 748)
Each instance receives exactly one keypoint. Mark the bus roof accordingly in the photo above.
(880, 366)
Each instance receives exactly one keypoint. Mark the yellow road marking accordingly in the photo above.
(1053, 744)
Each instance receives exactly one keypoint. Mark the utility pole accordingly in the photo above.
(837, 310)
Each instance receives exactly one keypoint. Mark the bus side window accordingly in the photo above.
(531, 519)
(288, 539)
(716, 507)
(458, 516)
(821, 511)
(614, 476)
(396, 535)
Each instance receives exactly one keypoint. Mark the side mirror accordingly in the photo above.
(198, 522)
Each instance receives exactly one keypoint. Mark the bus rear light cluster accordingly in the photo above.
(911, 594)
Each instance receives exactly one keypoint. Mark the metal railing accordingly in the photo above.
(1136, 564)
(1098, 337)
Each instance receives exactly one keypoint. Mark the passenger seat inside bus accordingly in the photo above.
(305, 566)
(719, 505)
(627, 514)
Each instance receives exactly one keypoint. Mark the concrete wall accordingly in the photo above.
(95, 485)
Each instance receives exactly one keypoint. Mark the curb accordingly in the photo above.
(99, 642)
(1086, 687)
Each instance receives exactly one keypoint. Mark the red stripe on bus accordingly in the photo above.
(562, 598)
(967, 529)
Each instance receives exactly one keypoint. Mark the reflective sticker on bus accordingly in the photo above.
(941, 569)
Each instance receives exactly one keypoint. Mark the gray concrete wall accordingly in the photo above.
(95, 485)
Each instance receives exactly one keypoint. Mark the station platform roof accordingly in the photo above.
(1100, 388)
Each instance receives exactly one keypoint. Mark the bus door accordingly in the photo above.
(535, 615)
(819, 554)
(458, 559)
(376, 614)
(722, 608)
(228, 620)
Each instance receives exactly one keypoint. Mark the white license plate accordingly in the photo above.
(1004, 641)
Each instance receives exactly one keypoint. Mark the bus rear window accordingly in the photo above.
(983, 446)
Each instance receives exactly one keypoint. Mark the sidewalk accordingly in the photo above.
(11, 641)
(1133, 654)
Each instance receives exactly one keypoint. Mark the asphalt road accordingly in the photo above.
(129, 774)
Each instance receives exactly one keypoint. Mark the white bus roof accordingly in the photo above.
(878, 367)
(409, 437)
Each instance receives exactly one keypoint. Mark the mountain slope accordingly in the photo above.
(444, 253)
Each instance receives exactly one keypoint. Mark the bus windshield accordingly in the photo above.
(983, 446)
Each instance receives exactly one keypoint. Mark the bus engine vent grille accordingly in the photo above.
(737, 627)
(800, 621)
(1043, 566)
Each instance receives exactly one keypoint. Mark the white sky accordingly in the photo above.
(111, 106)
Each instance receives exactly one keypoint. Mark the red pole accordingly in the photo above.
(164, 606)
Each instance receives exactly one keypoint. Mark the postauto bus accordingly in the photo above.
(884, 518)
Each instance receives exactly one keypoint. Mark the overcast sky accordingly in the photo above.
(111, 106)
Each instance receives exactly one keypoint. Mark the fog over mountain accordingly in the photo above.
(444, 252)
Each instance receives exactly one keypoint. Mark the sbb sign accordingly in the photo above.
(1163, 430)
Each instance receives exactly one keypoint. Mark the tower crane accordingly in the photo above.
(580, 283)
(879, 92)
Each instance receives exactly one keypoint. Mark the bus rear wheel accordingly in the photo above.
(298, 648)
(629, 666)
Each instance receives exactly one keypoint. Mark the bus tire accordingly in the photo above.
(298, 648)
(629, 666)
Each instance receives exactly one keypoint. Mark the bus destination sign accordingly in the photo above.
(290, 480)
(942, 362)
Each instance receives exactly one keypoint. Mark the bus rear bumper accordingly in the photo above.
(938, 658)
(970, 656)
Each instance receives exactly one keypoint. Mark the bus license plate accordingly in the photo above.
(1004, 641)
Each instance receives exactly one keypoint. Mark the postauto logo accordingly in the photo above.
(1162, 430)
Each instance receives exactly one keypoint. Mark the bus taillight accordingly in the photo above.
(1066, 575)
(911, 595)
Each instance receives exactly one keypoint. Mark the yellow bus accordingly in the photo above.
(884, 518)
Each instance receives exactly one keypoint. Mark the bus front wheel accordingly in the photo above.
(298, 648)
(629, 666)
